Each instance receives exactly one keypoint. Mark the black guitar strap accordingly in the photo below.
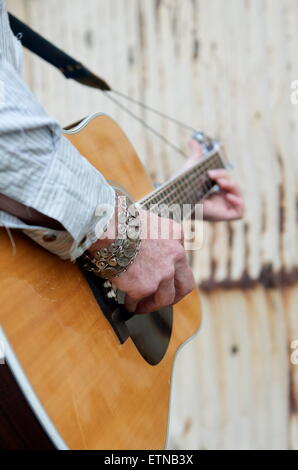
(70, 67)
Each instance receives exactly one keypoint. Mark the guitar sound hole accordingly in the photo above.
(151, 333)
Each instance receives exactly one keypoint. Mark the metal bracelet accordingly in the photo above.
(113, 260)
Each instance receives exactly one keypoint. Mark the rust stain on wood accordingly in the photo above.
(178, 57)
(187, 426)
(267, 278)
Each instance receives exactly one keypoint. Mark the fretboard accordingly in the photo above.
(189, 187)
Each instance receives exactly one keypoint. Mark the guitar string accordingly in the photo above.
(194, 172)
(147, 126)
(180, 195)
(191, 183)
(153, 110)
(199, 194)
(190, 194)
(186, 193)
(199, 168)
(188, 178)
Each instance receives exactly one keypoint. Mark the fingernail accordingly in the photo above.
(212, 172)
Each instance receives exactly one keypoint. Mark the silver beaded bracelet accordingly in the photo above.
(113, 260)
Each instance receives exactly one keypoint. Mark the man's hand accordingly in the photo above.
(226, 204)
(160, 275)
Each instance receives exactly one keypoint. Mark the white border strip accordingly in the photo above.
(83, 123)
(30, 395)
(170, 406)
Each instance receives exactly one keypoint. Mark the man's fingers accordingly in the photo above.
(227, 184)
(166, 292)
(196, 149)
(218, 173)
(164, 296)
(130, 304)
(235, 200)
(184, 280)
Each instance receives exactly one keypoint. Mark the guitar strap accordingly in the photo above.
(70, 67)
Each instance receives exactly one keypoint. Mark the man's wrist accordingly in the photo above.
(110, 233)
(108, 236)
(117, 248)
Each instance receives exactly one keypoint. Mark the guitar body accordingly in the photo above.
(86, 387)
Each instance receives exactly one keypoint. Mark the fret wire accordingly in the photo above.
(190, 176)
(196, 187)
(179, 194)
(191, 197)
(165, 194)
(206, 182)
(200, 168)
(185, 193)
(187, 196)
(198, 192)
(192, 193)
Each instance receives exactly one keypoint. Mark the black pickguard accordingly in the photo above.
(151, 333)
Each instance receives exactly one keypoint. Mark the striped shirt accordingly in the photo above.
(39, 167)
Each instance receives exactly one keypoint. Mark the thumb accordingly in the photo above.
(196, 149)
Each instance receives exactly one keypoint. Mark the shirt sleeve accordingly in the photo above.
(40, 168)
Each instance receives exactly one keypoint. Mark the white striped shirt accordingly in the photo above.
(39, 167)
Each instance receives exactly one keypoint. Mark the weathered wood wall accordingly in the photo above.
(226, 67)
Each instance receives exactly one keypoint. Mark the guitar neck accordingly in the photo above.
(189, 187)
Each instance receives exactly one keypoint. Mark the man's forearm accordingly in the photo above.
(27, 214)
(48, 184)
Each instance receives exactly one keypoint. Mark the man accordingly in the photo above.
(48, 190)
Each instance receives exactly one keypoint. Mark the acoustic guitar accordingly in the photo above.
(79, 372)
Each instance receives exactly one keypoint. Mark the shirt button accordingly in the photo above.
(49, 238)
